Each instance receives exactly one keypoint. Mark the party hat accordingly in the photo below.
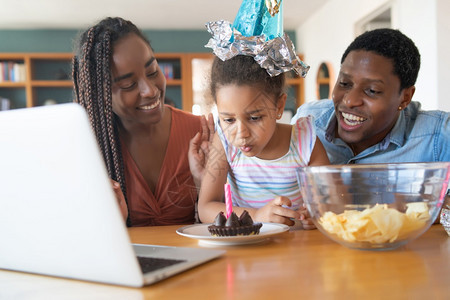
(257, 31)
(254, 18)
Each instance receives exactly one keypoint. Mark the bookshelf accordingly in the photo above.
(46, 78)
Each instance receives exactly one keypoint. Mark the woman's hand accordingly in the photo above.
(274, 212)
(199, 149)
(120, 199)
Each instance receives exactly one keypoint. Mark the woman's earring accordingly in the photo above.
(399, 108)
(279, 116)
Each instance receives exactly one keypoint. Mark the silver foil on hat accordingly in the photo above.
(276, 55)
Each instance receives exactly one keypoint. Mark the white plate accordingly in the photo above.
(201, 233)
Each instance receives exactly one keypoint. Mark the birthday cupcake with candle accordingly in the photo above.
(232, 225)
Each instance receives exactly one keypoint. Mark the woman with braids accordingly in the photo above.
(154, 153)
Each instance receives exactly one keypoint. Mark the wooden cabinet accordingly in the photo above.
(47, 79)
(296, 91)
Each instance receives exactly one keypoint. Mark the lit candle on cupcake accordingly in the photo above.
(228, 201)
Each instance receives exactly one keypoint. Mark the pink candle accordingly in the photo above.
(228, 202)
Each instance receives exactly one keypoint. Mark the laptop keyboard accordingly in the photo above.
(149, 264)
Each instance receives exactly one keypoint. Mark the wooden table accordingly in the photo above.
(293, 265)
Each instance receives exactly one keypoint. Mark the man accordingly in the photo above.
(371, 118)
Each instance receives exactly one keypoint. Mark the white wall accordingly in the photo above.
(418, 19)
(443, 46)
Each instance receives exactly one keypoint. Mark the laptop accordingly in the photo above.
(58, 213)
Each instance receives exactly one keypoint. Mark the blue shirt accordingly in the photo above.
(418, 136)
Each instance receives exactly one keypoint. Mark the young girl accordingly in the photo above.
(259, 155)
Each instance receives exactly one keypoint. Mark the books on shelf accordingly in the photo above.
(167, 69)
(12, 71)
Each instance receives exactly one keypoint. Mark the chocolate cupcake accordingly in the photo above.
(234, 226)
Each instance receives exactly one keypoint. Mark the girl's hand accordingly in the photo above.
(274, 212)
(120, 199)
(305, 219)
(199, 149)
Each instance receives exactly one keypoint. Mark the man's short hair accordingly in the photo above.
(394, 45)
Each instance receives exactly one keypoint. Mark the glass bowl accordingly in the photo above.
(376, 206)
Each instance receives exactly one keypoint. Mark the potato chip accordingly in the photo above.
(378, 224)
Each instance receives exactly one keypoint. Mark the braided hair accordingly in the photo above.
(91, 72)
